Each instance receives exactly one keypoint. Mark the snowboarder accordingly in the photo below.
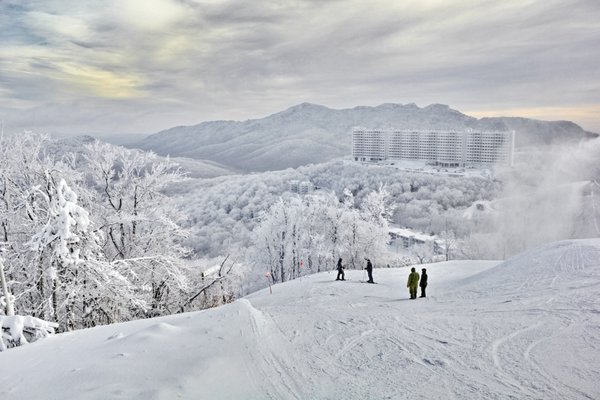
(423, 282)
(369, 269)
(340, 269)
(413, 282)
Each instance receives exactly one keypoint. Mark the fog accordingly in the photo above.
(552, 193)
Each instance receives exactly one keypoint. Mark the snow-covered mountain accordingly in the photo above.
(309, 133)
(523, 329)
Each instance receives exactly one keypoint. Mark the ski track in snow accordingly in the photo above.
(280, 383)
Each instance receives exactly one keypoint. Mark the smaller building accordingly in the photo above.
(300, 187)
(293, 186)
(406, 239)
(305, 187)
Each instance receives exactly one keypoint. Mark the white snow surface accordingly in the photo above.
(528, 328)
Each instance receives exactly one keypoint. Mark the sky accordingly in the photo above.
(140, 66)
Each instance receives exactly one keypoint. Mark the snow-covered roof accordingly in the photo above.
(405, 232)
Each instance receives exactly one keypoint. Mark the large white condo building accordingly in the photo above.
(444, 148)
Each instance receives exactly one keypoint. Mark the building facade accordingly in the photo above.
(443, 148)
(406, 239)
(301, 187)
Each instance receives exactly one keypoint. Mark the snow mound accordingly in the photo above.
(569, 264)
(18, 330)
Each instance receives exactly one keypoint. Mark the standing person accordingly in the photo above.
(369, 269)
(413, 282)
(423, 282)
(340, 269)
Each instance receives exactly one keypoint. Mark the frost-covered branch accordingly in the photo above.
(222, 274)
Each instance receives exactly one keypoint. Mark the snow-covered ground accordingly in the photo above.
(423, 167)
(528, 328)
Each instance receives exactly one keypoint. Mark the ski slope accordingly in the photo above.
(528, 328)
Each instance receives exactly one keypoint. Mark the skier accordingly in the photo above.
(413, 282)
(423, 282)
(340, 269)
(369, 269)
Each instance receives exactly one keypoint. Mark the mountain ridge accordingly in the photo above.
(310, 133)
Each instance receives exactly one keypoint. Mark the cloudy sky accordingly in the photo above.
(122, 66)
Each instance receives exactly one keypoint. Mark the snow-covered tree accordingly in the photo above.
(375, 213)
(23, 173)
(317, 230)
(140, 222)
(88, 239)
(273, 238)
(81, 285)
(423, 252)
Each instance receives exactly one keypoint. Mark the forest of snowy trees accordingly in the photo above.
(90, 238)
(92, 233)
(224, 212)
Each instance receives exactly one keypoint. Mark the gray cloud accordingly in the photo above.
(190, 60)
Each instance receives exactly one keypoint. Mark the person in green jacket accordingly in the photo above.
(413, 283)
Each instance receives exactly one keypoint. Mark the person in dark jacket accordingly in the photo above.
(340, 269)
(423, 282)
(413, 283)
(369, 269)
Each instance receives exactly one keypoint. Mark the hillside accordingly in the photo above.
(309, 133)
(193, 168)
(525, 329)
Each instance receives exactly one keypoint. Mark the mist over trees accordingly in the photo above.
(551, 194)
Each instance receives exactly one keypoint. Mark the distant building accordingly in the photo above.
(305, 187)
(406, 238)
(293, 186)
(443, 148)
(301, 187)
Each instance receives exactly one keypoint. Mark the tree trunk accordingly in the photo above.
(55, 299)
(282, 257)
(10, 310)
